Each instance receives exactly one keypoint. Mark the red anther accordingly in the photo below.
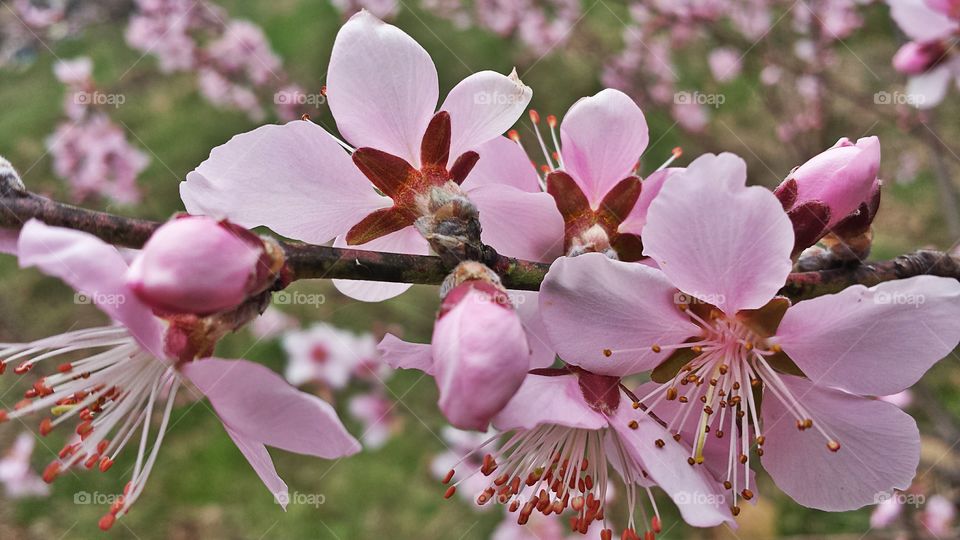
(3, 416)
(102, 445)
(606, 534)
(51, 472)
(555, 155)
(558, 507)
(584, 464)
(117, 505)
(105, 464)
(323, 90)
(588, 480)
(30, 394)
(833, 446)
(501, 480)
(448, 477)
(515, 485)
(91, 461)
(552, 120)
(68, 450)
(656, 525)
(628, 534)
(677, 151)
(305, 117)
(126, 488)
(489, 465)
(545, 168)
(84, 429)
(80, 395)
(46, 426)
(577, 503)
(65, 367)
(23, 368)
(649, 536)
(106, 522)
(534, 116)
(513, 135)
(3, 367)
(450, 491)
(514, 505)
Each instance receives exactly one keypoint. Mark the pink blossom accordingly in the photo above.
(938, 515)
(377, 415)
(886, 513)
(725, 64)
(915, 58)
(461, 451)
(829, 187)
(382, 89)
(571, 416)
(711, 312)
(135, 368)
(96, 158)
(18, 477)
(330, 356)
(38, 17)
(928, 26)
(195, 264)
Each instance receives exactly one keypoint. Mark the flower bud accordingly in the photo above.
(198, 265)
(480, 349)
(915, 58)
(824, 191)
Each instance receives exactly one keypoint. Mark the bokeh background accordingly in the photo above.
(201, 486)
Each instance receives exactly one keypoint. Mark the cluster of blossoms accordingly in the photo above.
(662, 35)
(933, 27)
(89, 150)
(29, 26)
(673, 275)
(235, 66)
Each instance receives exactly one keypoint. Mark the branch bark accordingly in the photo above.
(305, 261)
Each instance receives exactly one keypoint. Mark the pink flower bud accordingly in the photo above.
(480, 353)
(199, 265)
(830, 187)
(915, 58)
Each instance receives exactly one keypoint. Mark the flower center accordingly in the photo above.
(716, 391)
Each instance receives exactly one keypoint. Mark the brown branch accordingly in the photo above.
(305, 261)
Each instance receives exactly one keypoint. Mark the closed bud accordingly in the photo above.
(833, 185)
(915, 58)
(198, 265)
(480, 349)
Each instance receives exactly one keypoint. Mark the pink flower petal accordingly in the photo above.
(918, 21)
(8, 241)
(381, 87)
(927, 90)
(519, 224)
(400, 354)
(718, 240)
(879, 448)
(482, 107)
(592, 306)
(651, 187)
(698, 496)
(502, 162)
(874, 341)
(602, 138)
(259, 405)
(258, 457)
(549, 400)
(527, 304)
(406, 240)
(292, 178)
(94, 269)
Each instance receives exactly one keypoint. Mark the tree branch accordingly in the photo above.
(305, 261)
